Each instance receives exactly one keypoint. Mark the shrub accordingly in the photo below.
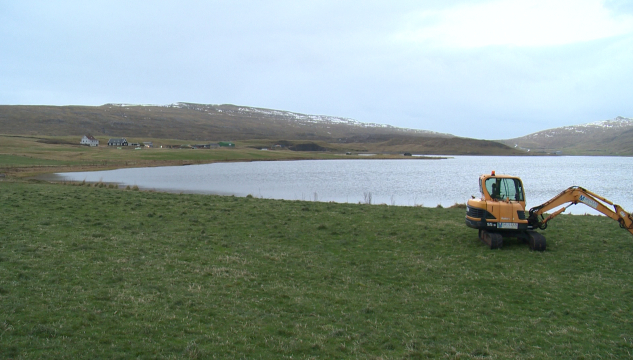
(457, 206)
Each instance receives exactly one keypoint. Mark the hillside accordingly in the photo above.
(608, 137)
(188, 121)
(201, 123)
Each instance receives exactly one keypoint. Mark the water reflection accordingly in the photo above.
(408, 182)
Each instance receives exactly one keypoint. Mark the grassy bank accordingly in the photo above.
(23, 156)
(91, 272)
(26, 156)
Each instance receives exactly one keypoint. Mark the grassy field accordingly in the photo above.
(98, 272)
(27, 156)
(24, 156)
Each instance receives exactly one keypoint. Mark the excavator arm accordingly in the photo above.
(575, 195)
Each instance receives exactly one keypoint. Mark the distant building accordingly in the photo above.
(117, 142)
(200, 146)
(89, 140)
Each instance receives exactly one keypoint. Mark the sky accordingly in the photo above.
(485, 69)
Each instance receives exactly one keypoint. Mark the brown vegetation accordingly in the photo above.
(204, 123)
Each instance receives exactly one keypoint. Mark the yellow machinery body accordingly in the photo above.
(500, 212)
(502, 205)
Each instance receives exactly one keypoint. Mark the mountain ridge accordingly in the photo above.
(236, 122)
(604, 137)
(288, 115)
(258, 126)
(215, 122)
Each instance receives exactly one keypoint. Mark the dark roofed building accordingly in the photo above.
(117, 142)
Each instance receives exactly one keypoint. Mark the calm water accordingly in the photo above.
(393, 182)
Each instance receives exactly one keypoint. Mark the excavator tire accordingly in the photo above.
(536, 241)
(493, 240)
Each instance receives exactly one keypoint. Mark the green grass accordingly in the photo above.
(96, 272)
(21, 160)
(240, 154)
(30, 155)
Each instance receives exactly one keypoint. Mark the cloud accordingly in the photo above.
(442, 65)
(517, 23)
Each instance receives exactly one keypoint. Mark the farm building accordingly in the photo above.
(89, 140)
(117, 142)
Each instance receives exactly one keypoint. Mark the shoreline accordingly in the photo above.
(27, 172)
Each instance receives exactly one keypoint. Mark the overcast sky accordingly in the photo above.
(482, 69)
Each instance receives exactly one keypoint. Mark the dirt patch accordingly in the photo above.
(307, 147)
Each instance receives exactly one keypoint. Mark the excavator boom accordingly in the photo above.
(501, 212)
(574, 195)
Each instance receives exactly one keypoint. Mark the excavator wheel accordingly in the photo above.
(536, 241)
(494, 240)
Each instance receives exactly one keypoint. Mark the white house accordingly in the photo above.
(89, 140)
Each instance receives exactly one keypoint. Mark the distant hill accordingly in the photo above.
(607, 137)
(189, 121)
(201, 122)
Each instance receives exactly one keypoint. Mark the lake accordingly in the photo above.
(406, 182)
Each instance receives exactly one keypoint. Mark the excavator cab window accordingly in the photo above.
(502, 188)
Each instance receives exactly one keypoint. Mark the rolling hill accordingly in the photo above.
(205, 122)
(189, 121)
(607, 137)
(202, 122)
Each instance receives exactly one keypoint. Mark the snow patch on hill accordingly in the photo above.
(604, 125)
(297, 118)
(615, 123)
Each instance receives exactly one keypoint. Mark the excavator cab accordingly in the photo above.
(500, 212)
(510, 189)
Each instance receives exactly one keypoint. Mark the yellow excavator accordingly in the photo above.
(500, 212)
